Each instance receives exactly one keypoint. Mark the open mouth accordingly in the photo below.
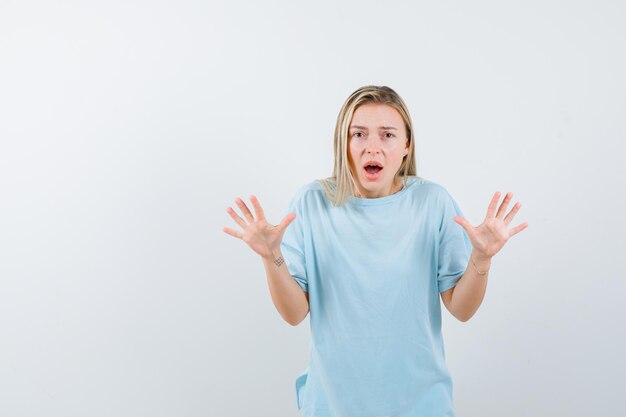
(373, 168)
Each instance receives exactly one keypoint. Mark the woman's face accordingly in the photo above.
(376, 133)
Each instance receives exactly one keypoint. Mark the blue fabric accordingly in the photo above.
(374, 269)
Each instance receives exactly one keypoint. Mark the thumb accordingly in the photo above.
(469, 229)
(464, 223)
(286, 221)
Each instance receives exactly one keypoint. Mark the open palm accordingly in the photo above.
(491, 235)
(259, 234)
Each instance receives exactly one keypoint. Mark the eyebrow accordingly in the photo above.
(365, 128)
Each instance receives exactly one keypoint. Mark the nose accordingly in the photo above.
(373, 144)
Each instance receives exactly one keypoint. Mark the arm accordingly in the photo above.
(291, 302)
(463, 300)
(487, 239)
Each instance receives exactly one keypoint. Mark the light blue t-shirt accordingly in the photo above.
(374, 269)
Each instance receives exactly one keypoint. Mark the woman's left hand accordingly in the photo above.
(490, 236)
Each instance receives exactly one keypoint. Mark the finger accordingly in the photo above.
(465, 225)
(512, 213)
(244, 209)
(232, 232)
(260, 214)
(236, 217)
(503, 206)
(491, 211)
(518, 229)
(286, 221)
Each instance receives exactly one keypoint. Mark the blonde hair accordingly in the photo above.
(340, 186)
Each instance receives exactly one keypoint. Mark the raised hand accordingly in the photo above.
(491, 235)
(261, 236)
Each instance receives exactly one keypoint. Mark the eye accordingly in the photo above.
(357, 133)
(392, 135)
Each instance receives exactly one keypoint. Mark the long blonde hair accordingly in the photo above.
(340, 186)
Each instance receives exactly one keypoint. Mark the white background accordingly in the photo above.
(128, 127)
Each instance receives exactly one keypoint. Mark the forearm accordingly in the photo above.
(287, 296)
(469, 292)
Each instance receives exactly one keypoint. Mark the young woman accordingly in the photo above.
(370, 251)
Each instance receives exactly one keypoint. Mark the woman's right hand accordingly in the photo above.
(261, 236)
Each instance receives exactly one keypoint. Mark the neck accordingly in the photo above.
(395, 187)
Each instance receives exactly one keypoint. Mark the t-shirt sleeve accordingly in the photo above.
(292, 245)
(455, 247)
